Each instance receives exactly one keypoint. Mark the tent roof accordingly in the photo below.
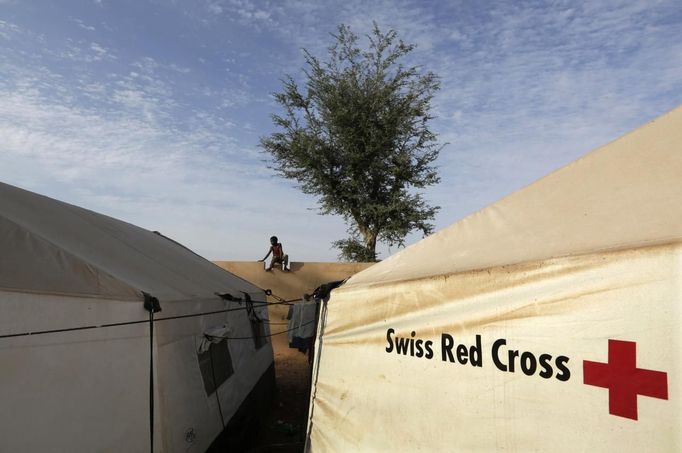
(623, 195)
(53, 247)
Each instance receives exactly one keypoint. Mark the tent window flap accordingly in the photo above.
(258, 331)
(215, 365)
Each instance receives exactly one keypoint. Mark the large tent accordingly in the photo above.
(81, 334)
(549, 321)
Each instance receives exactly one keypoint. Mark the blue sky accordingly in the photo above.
(151, 111)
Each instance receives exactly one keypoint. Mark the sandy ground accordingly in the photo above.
(283, 429)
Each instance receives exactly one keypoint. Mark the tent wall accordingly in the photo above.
(183, 400)
(72, 391)
(368, 399)
(88, 390)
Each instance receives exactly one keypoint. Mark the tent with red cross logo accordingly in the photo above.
(549, 321)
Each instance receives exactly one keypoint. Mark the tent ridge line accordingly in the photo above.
(616, 249)
(79, 258)
(77, 211)
(68, 294)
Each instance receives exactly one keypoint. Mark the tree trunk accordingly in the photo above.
(370, 238)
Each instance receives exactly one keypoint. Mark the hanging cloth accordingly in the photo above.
(213, 335)
(302, 324)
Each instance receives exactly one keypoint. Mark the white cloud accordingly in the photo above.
(98, 49)
(8, 30)
(246, 11)
(83, 52)
(133, 162)
(83, 25)
(180, 69)
(215, 8)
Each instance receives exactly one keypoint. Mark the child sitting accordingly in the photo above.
(278, 256)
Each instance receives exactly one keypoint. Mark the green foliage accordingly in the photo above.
(354, 249)
(357, 137)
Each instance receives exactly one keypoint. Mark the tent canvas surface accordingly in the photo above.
(547, 321)
(64, 268)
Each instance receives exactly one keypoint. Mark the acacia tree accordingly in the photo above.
(357, 136)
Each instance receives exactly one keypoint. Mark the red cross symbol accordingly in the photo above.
(624, 380)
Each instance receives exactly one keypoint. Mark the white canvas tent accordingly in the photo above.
(75, 336)
(549, 321)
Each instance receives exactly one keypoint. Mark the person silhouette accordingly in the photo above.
(278, 255)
